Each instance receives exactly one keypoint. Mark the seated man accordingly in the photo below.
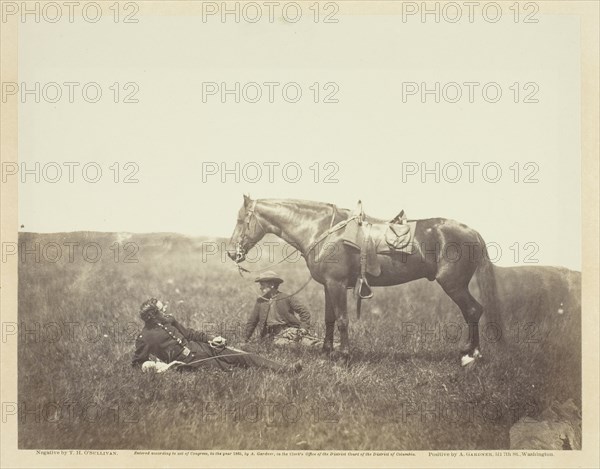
(275, 315)
(169, 341)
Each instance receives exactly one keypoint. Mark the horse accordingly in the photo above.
(445, 250)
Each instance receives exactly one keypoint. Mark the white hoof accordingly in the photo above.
(466, 359)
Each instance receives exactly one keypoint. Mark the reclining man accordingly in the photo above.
(275, 315)
(165, 338)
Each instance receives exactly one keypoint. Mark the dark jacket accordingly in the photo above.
(287, 307)
(155, 340)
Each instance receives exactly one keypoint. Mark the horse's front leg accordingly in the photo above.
(339, 304)
(329, 324)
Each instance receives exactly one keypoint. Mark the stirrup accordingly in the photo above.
(362, 289)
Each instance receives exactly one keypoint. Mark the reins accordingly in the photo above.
(332, 229)
(312, 246)
(243, 269)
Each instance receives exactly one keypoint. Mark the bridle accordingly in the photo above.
(239, 250)
(250, 213)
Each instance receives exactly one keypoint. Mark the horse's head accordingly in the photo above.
(248, 231)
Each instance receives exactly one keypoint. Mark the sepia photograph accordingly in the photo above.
(301, 234)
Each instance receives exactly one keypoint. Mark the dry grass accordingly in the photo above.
(403, 388)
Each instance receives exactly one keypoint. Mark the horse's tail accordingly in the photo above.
(486, 281)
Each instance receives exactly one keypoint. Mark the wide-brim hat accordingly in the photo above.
(269, 276)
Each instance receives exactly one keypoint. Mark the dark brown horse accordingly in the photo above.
(445, 250)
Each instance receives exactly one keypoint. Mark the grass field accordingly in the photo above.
(402, 390)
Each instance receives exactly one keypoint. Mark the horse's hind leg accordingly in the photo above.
(472, 311)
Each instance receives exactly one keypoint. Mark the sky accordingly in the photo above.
(179, 159)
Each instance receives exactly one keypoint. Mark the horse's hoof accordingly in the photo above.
(466, 360)
(340, 355)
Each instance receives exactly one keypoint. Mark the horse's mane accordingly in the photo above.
(343, 213)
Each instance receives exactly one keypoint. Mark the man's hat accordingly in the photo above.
(269, 276)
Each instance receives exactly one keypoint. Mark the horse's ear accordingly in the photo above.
(246, 200)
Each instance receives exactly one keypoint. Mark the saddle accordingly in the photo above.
(372, 239)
